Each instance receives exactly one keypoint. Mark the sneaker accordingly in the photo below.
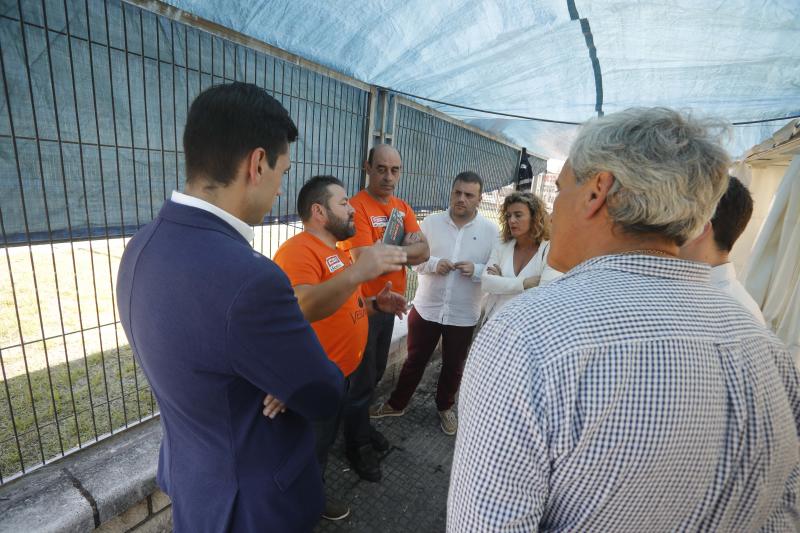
(384, 409)
(449, 421)
(379, 442)
(335, 510)
(365, 462)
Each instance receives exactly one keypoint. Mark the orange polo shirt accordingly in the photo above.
(370, 218)
(309, 261)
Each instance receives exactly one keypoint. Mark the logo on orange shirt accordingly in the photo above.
(379, 221)
(334, 263)
(358, 314)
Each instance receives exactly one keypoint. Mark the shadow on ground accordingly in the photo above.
(412, 496)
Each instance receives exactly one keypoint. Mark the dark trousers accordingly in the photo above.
(363, 381)
(325, 431)
(423, 336)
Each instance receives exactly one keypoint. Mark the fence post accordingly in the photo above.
(381, 121)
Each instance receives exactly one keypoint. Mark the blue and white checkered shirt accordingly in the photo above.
(628, 395)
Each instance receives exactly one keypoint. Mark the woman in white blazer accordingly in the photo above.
(519, 262)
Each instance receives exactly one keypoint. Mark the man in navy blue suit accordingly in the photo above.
(219, 334)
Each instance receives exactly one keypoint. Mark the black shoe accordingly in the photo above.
(364, 462)
(335, 510)
(378, 441)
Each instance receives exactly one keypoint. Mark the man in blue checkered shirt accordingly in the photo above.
(630, 394)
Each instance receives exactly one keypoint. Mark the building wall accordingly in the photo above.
(763, 182)
(151, 515)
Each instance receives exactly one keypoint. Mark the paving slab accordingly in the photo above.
(412, 496)
(45, 501)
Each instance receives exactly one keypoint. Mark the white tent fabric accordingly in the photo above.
(739, 59)
(773, 274)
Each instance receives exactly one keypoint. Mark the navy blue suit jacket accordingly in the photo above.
(216, 326)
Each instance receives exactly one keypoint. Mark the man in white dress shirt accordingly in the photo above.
(715, 243)
(447, 302)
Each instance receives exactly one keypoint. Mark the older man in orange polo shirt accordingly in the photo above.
(327, 284)
(373, 206)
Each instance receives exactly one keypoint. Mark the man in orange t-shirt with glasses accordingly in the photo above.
(373, 206)
(327, 284)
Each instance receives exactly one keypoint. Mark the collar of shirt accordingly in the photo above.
(722, 273)
(453, 222)
(239, 225)
(649, 265)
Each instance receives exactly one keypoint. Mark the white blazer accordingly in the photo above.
(501, 289)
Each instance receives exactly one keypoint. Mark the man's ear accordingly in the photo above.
(256, 166)
(317, 209)
(597, 192)
(708, 231)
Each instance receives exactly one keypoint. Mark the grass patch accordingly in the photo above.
(50, 290)
(69, 405)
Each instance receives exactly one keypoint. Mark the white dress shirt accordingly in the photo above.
(724, 277)
(501, 289)
(192, 201)
(453, 299)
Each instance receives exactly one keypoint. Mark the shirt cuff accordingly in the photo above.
(428, 267)
(478, 272)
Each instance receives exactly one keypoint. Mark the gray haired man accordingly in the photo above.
(629, 394)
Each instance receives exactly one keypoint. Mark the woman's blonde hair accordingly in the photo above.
(540, 219)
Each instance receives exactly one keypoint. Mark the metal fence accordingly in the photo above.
(436, 149)
(93, 101)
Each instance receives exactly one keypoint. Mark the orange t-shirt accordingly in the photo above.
(370, 218)
(309, 261)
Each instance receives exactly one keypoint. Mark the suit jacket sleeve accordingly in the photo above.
(271, 345)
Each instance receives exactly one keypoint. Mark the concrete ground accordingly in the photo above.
(412, 496)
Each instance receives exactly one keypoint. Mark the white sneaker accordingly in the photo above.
(449, 421)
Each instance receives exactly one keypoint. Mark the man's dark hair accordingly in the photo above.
(315, 191)
(732, 215)
(469, 177)
(226, 122)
